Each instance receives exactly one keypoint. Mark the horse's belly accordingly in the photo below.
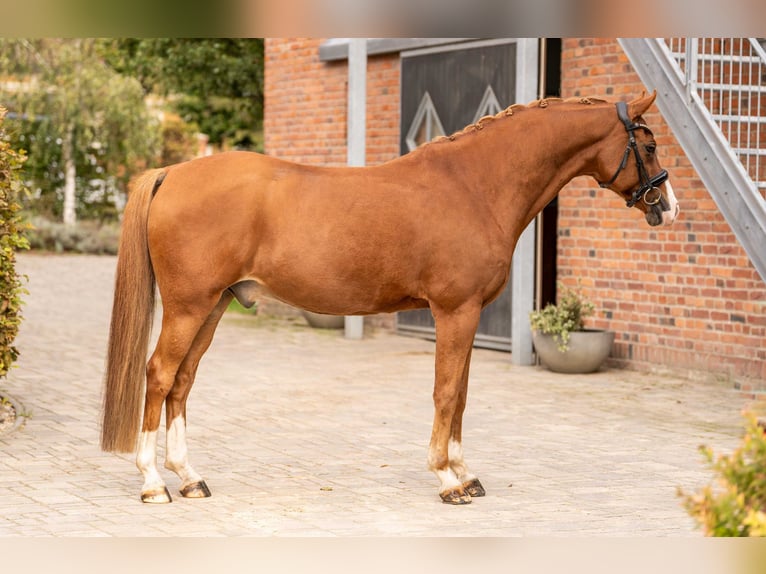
(327, 293)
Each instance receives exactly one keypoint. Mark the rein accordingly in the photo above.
(647, 183)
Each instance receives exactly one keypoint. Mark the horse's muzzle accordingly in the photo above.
(668, 217)
(657, 215)
(665, 210)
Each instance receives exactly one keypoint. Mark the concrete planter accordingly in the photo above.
(12, 415)
(587, 351)
(319, 321)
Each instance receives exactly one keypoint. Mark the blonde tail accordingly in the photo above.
(132, 317)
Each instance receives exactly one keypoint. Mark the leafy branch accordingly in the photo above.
(11, 240)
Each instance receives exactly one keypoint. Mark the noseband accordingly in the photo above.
(647, 183)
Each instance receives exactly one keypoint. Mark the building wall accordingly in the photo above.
(685, 300)
(305, 103)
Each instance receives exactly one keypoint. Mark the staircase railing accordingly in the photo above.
(712, 93)
(728, 75)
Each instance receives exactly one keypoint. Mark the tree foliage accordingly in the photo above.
(79, 108)
(216, 83)
(11, 239)
(86, 127)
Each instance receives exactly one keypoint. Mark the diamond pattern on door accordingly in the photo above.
(489, 106)
(426, 124)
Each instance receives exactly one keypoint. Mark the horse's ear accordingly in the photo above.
(639, 106)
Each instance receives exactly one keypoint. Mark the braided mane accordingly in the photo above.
(510, 110)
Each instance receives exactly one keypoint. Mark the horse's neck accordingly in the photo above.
(520, 164)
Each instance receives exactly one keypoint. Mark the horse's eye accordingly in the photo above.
(651, 148)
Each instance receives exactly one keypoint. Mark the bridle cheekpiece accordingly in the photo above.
(647, 183)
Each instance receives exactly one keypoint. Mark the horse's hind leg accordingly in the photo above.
(180, 325)
(176, 459)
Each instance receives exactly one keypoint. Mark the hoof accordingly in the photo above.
(196, 490)
(474, 488)
(159, 496)
(455, 496)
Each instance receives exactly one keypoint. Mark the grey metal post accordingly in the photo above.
(356, 121)
(691, 67)
(523, 265)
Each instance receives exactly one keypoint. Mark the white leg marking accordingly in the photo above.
(456, 462)
(177, 457)
(146, 461)
(447, 477)
(669, 216)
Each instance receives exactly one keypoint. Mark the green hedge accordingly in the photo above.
(12, 239)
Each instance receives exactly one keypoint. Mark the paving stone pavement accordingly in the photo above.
(300, 432)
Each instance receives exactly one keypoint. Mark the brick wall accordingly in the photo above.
(685, 299)
(305, 119)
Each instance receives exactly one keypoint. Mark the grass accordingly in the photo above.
(236, 307)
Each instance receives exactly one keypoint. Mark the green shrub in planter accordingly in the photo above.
(738, 506)
(11, 240)
(560, 320)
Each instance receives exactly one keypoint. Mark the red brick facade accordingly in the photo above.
(305, 117)
(685, 299)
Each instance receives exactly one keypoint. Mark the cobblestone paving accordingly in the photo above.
(300, 432)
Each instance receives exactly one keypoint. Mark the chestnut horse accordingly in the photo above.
(434, 228)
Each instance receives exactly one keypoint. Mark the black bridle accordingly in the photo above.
(647, 183)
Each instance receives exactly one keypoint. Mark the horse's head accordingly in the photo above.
(628, 165)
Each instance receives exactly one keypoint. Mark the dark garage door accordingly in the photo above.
(442, 92)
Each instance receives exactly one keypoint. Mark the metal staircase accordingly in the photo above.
(712, 93)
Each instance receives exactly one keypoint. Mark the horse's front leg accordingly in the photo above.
(457, 463)
(455, 331)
